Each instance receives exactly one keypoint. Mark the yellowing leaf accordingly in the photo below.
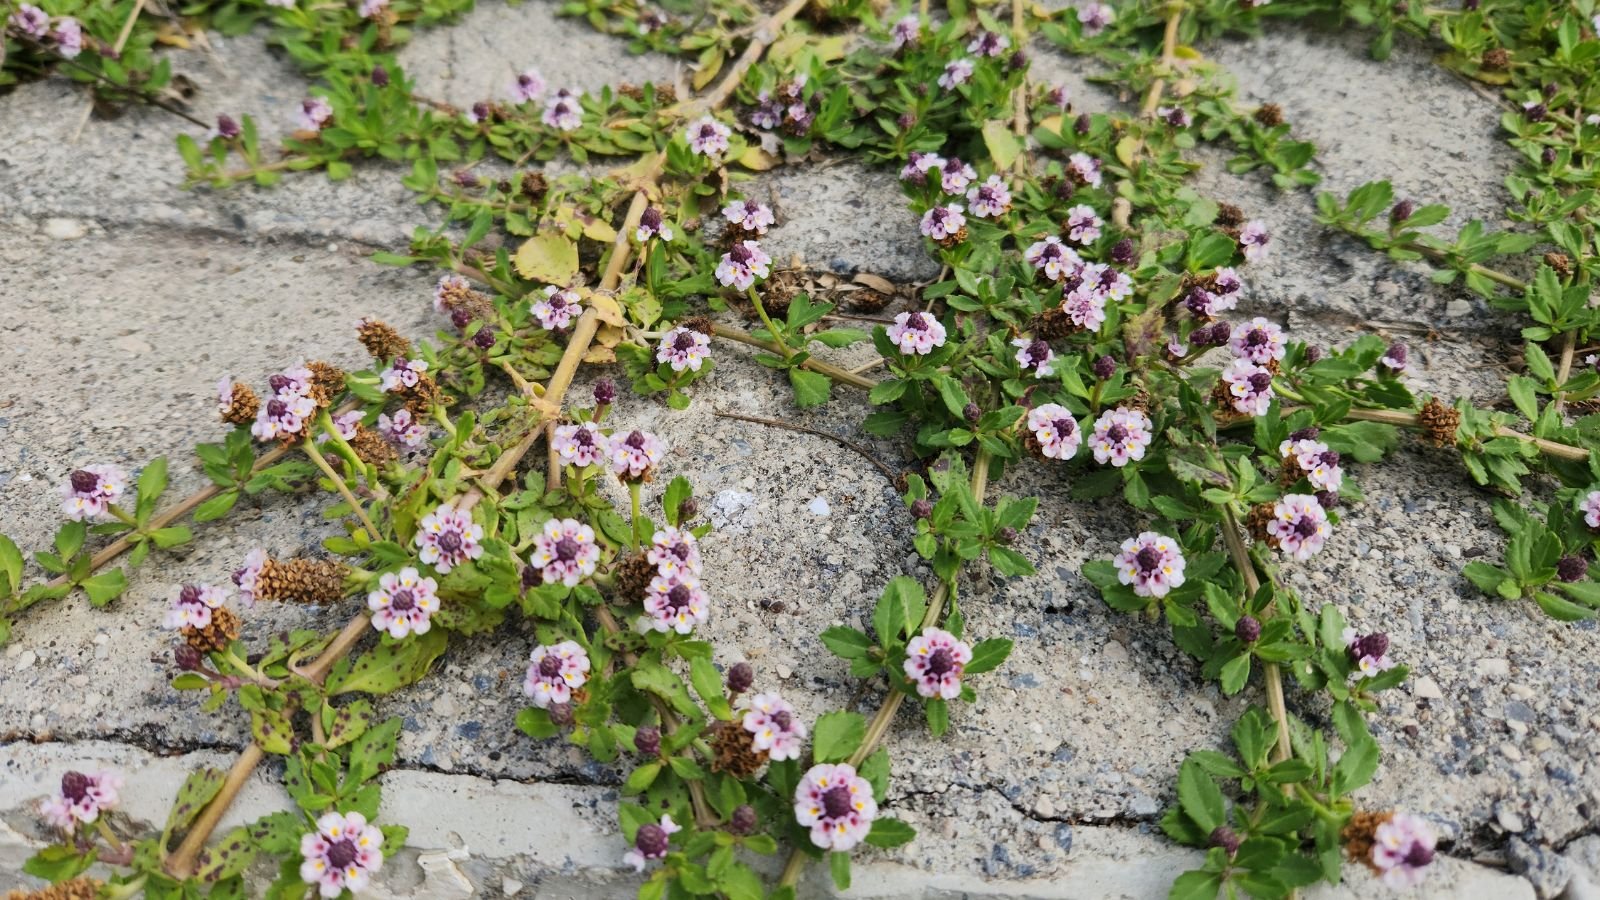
(601, 355)
(710, 65)
(1184, 51)
(1051, 124)
(547, 257)
(607, 309)
(1126, 148)
(781, 50)
(596, 229)
(756, 159)
(172, 36)
(1003, 145)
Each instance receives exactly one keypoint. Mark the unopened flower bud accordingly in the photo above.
(1328, 499)
(1105, 367)
(484, 339)
(227, 127)
(561, 714)
(743, 821)
(971, 412)
(647, 741)
(1247, 629)
(921, 509)
(187, 658)
(1081, 124)
(741, 677)
(687, 509)
(906, 120)
(1018, 61)
(1535, 112)
(1548, 156)
(1226, 838)
(605, 392)
(380, 76)
(1122, 252)
(1006, 535)
(1572, 568)
(1313, 353)
(1551, 90)
(1402, 211)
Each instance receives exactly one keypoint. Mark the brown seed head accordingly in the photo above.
(733, 751)
(382, 341)
(222, 630)
(1269, 114)
(1439, 422)
(1360, 833)
(301, 581)
(243, 404)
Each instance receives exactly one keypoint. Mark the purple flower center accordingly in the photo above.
(1255, 337)
(740, 254)
(75, 786)
(450, 541)
(783, 719)
(1374, 645)
(1064, 427)
(1038, 351)
(189, 595)
(341, 854)
(1330, 458)
(557, 301)
(1260, 382)
(650, 219)
(941, 662)
(836, 802)
(566, 549)
(681, 551)
(550, 666)
(915, 322)
(684, 342)
(480, 110)
(1071, 283)
(635, 440)
(84, 481)
(1108, 277)
(651, 840)
(1148, 560)
(402, 601)
(1418, 856)
(678, 597)
(1117, 433)
(954, 166)
(1305, 527)
(583, 437)
(276, 408)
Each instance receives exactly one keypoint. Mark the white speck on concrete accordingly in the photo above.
(819, 507)
(733, 511)
(65, 229)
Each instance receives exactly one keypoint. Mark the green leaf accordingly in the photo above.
(938, 713)
(654, 678)
(988, 655)
(389, 667)
(10, 565)
(810, 388)
(837, 735)
(888, 832)
(899, 610)
(372, 751)
(678, 491)
(707, 683)
(216, 507)
(1004, 148)
(535, 723)
(152, 483)
(171, 537)
(1356, 767)
(839, 866)
(1200, 797)
(846, 642)
(271, 730)
(69, 540)
(1196, 885)
(1235, 672)
(197, 790)
(105, 587)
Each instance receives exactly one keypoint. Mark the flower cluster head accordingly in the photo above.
(342, 854)
(945, 223)
(675, 602)
(562, 111)
(905, 31)
(82, 798)
(1253, 239)
(1121, 435)
(554, 672)
(743, 264)
(787, 107)
(1152, 563)
(652, 225)
(89, 492)
(1402, 849)
(244, 577)
(1176, 116)
(402, 429)
(1034, 355)
(403, 603)
(1055, 430)
(988, 43)
(1095, 17)
(581, 444)
(1085, 291)
(565, 551)
(448, 537)
(916, 332)
(650, 842)
(290, 405)
(1053, 258)
(773, 726)
(749, 217)
(558, 308)
(919, 165)
(30, 20)
(403, 373)
(1299, 525)
(634, 455)
(1395, 359)
(1258, 341)
(1369, 652)
(371, 8)
(708, 137)
(192, 606)
(315, 112)
(675, 551)
(1248, 387)
(1220, 293)
(1085, 169)
(528, 86)
(1083, 225)
(955, 175)
(836, 804)
(991, 199)
(1590, 507)
(68, 37)
(1314, 458)
(956, 72)
(934, 662)
(684, 348)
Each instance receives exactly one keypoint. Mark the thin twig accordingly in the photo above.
(841, 441)
(1252, 584)
(843, 376)
(116, 50)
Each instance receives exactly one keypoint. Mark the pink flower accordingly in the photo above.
(558, 308)
(1370, 652)
(1249, 387)
(1120, 435)
(82, 798)
(774, 727)
(934, 662)
(314, 113)
(916, 332)
(943, 222)
(634, 456)
(1300, 525)
(1086, 307)
(1253, 240)
(991, 199)
(1058, 96)
(31, 21)
(1053, 258)
(89, 492)
(708, 137)
(956, 72)
(403, 602)
(1083, 226)
(244, 578)
(1152, 563)
(563, 111)
(1112, 284)
(673, 550)
(742, 265)
(906, 29)
(370, 8)
(1320, 464)
(529, 84)
(344, 424)
(1590, 507)
(447, 537)
(283, 415)
(684, 348)
(836, 804)
(192, 606)
(343, 853)
(1259, 341)
(1176, 116)
(917, 168)
(1095, 17)
(652, 225)
(402, 429)
(1402, 849)
(955, 175)
(581, 445)
(402, 373)
(650, 842)
(1035, 356)
(1056, 431)
(988, 43)
(1395, 359)
(753, 218)
(554, 672)
(566, 551)
(69, 37)
(1086, 168)
(675, 602)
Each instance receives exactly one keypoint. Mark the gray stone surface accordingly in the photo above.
(136, 297)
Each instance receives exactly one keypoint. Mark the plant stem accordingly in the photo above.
(1274, 678)
(316, 457)
(1019, 99)
(1411, 420)
(1569, 345)
(879, 725)
(111, 837)
(633, 501)
(778, 338)
(1169, 58)
(252, 672)
(116, 50)
(842, 376)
